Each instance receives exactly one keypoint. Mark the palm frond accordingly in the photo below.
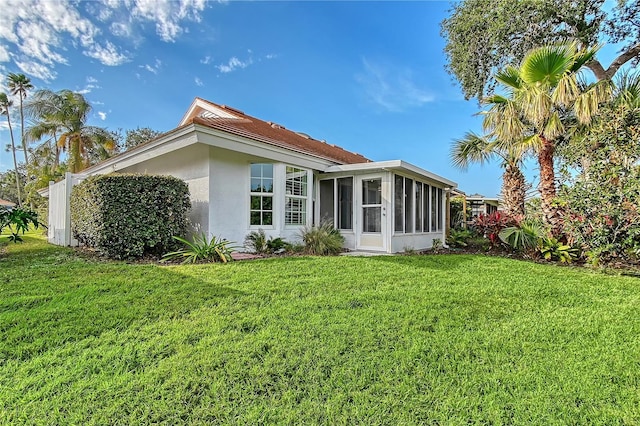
(547, 64)
(470, 149)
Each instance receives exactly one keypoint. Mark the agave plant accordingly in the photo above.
(202, 249)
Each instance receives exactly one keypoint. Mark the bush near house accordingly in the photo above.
(128, 215)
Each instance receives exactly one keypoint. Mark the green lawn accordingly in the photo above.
(383, 340)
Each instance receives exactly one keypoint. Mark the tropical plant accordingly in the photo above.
(526, 236)
(17, 220)
(322, 240)
(19, 84)
(460, 237)
(490, 225)
(64, 115)
(256, 241)
(552, 249)
(5, 105)
(603, 197)
(202, 249)
(473, 148)
(545, 100)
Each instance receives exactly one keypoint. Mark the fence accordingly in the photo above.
(59, 210)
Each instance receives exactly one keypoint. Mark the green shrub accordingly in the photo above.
(460, 237)
(17, 220)
(322, 240)
(202, 249)
(127, 216)
(527, 236)
(258, 243)
(552, 249)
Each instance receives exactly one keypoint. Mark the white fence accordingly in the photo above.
(59, 210)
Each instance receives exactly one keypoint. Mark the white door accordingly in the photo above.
(371, 225)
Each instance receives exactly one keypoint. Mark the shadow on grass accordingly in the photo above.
(45, 305)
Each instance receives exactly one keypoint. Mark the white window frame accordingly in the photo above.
(263, 194)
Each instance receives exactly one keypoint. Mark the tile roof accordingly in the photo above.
(275, 134)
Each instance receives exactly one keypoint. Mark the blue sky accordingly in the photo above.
(368, 76)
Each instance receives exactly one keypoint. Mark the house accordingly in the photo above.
(246, 174)
(6, 204)
(479, 204)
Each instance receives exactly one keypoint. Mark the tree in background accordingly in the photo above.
(484, 36)
(476, 149)
(65, 113)
(138, 136)
(19, 84)
(5, 105)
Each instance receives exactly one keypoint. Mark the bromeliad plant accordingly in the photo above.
(17, 220)
(492, 224)
(202, 249)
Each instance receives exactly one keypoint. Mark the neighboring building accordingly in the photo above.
(6, 204)
(245, 174)
(479, 204)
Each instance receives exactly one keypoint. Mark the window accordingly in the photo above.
(425, 208)
(398, 197)
(327, 199)
(261, 193)
(372, 205)
(408, 205)
(345, 203)
(295, 212)
(418, 221)
(434, 209)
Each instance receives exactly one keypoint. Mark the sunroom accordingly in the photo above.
(387, 206)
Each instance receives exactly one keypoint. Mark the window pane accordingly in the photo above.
(439, 225)
(261, 178)
(418, 207)
(267, 218)
(372, 219)
(255, 218)
(267, 171)
(267, 203)
(267, 185)
(326, 200)
(255, 202)
(425, 209)
(408, 210)
(398, 197)
(345, 203)
(434, 209)
(372, 191)
(296, 183)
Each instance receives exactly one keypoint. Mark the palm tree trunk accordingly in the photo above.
(24, 141)
(552, 213)
(513, 190)
(15, 160)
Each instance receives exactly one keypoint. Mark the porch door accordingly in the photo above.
(371, 226)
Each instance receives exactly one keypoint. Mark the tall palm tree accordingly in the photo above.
(19, 84)
(545, 101)
(476, 149)
(5, 105)
(64, 115)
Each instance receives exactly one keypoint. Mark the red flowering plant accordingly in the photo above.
(490, 225)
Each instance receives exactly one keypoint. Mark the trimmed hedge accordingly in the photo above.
(129, 215)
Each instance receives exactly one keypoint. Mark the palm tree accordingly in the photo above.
(65, 113)
(5, 104)
(545, 101)
(476, 149)
(19, 84)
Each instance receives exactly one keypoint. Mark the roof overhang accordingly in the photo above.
(393, 165)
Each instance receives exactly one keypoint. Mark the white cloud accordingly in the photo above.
(103, 115)
(390, 87)
(107, 54)
(36, 34)
(37, 70)
(198, 82)
(206, 60)
(234, 64)
(153, 68)
(4, 54)
(91, 80)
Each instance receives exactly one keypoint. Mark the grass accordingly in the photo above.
(448, 339)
